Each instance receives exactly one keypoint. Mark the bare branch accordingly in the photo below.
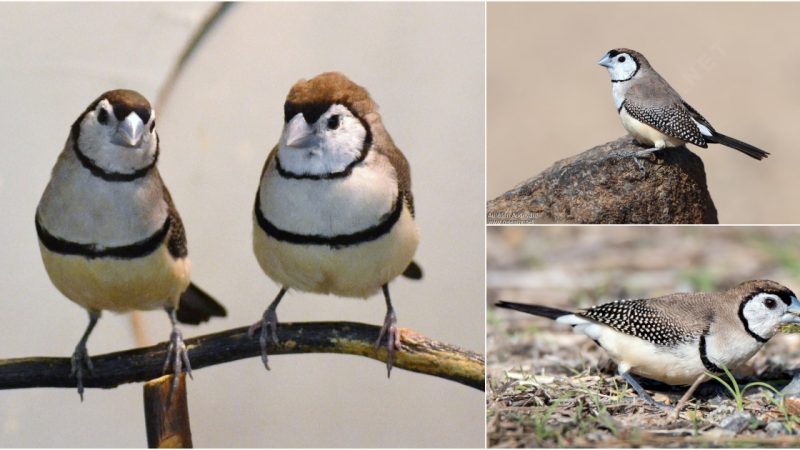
(419, 354)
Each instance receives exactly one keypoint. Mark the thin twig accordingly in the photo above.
(194, 43)
(419, 354)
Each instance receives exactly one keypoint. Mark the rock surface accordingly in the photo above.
(737, 423)
(604, 185)
(775, 428)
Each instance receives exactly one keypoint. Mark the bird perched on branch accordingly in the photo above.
(334, 213)
(654, 113)
(109, 234)
(679, 337)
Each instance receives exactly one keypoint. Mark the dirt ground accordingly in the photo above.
(550, 387)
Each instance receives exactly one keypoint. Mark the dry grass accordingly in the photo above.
(599, 410)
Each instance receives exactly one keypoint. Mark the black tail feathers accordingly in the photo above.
(196, 306)
(413, 271)
(744, 147)
(536, 310)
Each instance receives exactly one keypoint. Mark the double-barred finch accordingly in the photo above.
(109, 234)
(654, 113)
(334, 213)
(676, 338)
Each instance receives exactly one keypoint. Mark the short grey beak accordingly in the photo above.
(792, 313)
(129, 131)
(605, 61)
(299, 133)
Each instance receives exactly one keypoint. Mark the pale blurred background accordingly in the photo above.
(422, 62)
(736, 63)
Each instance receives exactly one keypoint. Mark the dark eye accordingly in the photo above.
(621, 59)
(769, 303)
(333, 122)
(102, 116)
(152, 126)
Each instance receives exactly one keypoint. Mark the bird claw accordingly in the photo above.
(630, 154)
(178, 358)
(269, 330)
(80, 360)
(638, 162)
(389, 329)
(650, 401)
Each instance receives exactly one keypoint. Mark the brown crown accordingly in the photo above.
(313, 97)
(124, 101)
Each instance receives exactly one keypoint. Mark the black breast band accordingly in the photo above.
(340, 240)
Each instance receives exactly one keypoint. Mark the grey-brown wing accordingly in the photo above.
(669, 118)
(655, 103)
(176, 238)
(402, 169)
(270, 157)
(645, 319)
(269, 160)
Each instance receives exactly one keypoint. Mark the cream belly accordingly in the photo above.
(679, 365)
(150, 282)
(645, 134)
(352, 271)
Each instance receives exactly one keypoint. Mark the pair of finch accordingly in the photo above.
(333, 214)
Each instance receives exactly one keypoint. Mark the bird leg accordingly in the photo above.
(639, 153)
(635, 155)
(80, 357)
(268, 322)
(685, 399)
(640, 390)
(389, 329)
(647, 151)
(177, 355)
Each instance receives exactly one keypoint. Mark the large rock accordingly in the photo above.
(604, 185)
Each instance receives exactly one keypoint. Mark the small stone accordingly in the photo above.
(775, 428)
(717, 400)
(694, 415)
(661, 398)
(718, 434)
(737, 423)
(793, 388)
(720, 413)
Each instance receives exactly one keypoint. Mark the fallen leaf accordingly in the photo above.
(793, 405)
(659, 397)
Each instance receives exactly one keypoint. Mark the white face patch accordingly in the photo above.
(622, 67)
(763, 314)
(99, 137)
(336, 139)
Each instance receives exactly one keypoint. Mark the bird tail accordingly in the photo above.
(536, 310)
(744, 147)
(413, 271)
(196, 306)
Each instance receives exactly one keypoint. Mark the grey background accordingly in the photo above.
(423, 63)
(736, 63)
